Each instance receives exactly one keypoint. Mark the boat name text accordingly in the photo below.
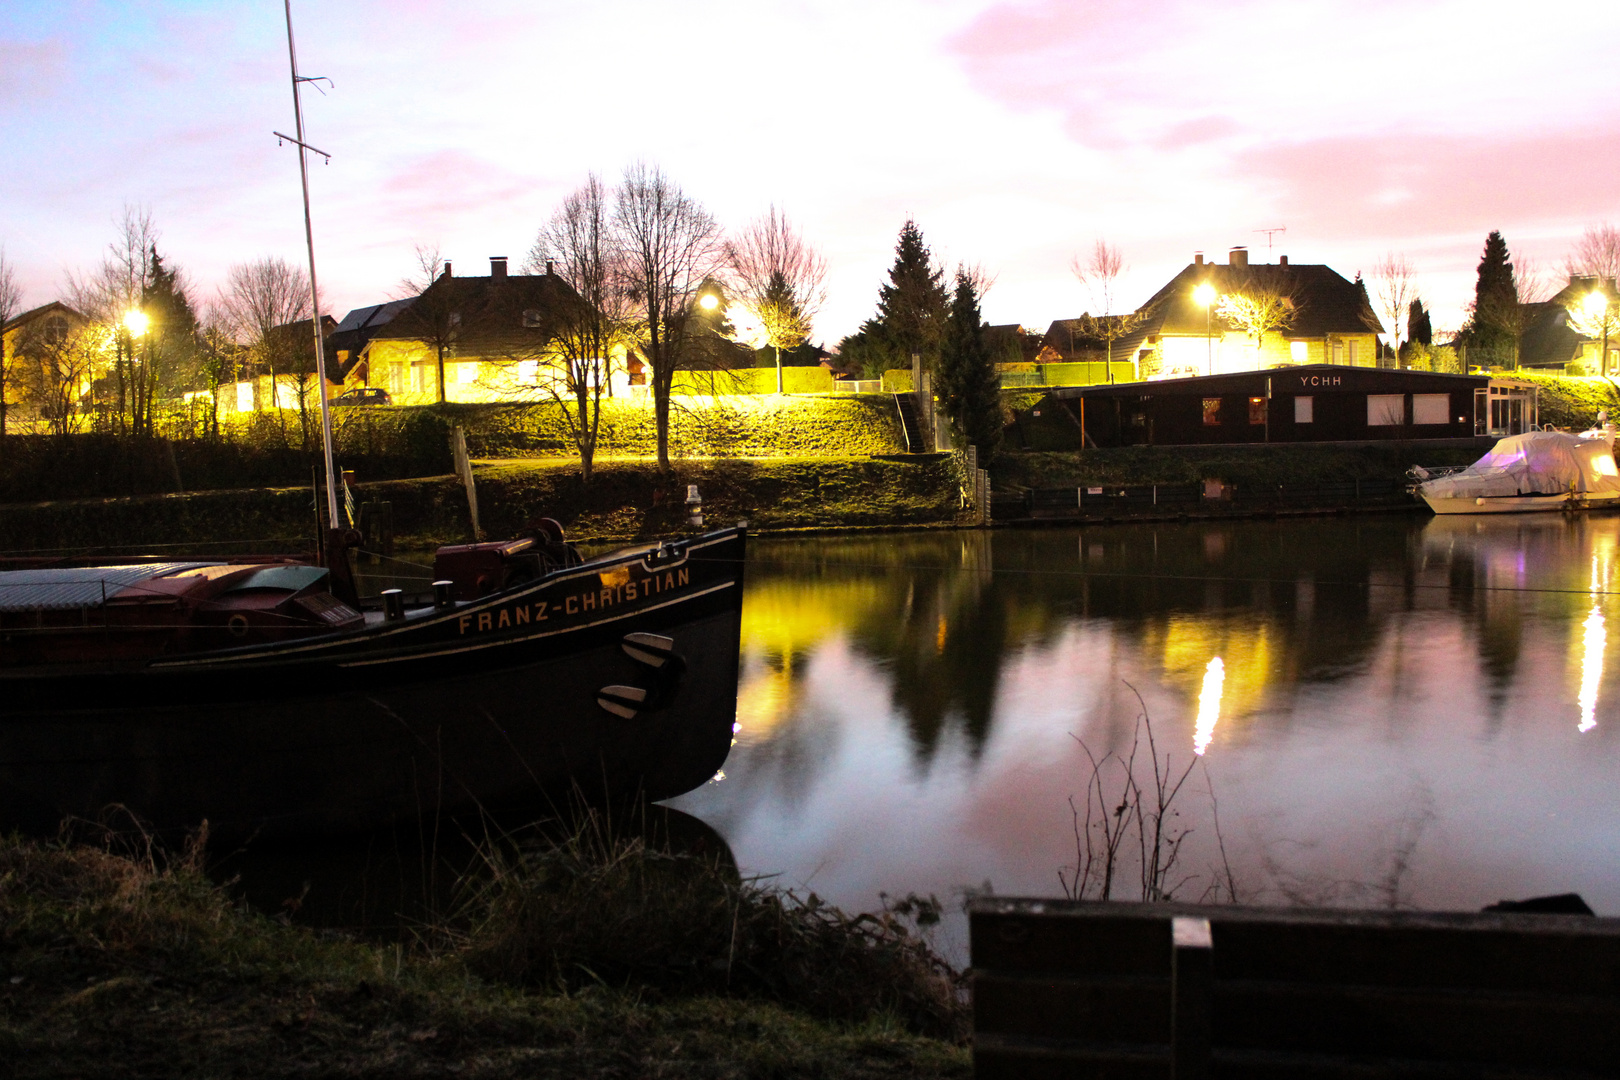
(575, 604)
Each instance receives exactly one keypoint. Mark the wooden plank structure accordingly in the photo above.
(1114, 991)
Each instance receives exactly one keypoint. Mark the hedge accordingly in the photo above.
(625, 500)
(1572, 401)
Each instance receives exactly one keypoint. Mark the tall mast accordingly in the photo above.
(314, 291)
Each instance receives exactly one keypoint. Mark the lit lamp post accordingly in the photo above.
(1204, 296)
(1596, 305)
(135, 323)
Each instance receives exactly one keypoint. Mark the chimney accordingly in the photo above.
(446, 271)
(497, 267)
(1240, 256)
(1282, 260)
(1198, 258)
(550, 267)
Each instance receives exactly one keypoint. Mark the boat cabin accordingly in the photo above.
(68, 614)
(1306, 403)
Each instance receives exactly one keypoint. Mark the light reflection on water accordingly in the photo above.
(911, 705)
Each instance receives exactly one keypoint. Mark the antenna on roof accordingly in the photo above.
(1269, 234)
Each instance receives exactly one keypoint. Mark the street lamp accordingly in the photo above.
(1596, 306)
(1204, 296)
(136, 322)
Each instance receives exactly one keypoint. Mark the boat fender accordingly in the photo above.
(654, 650)
(622, 701)
(237, 624)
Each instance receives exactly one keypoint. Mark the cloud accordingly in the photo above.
(1415, 184)
(30, 70)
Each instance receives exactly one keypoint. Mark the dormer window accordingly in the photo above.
(531, 318)
(455, 319)
(56, 330)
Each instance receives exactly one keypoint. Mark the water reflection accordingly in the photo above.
(910, 703)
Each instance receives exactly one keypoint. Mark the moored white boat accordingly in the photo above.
(1536, 471)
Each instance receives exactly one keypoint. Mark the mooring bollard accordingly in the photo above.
(393, 604)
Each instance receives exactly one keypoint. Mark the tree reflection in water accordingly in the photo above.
(872, 663)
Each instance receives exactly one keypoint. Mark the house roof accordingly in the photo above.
(1074, 337)
(492, 310)
(1325, 302)
(1548, 339)
(357, 328)
(35, 313)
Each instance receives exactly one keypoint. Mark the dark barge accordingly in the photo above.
(612, 678)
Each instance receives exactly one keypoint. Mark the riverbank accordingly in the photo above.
(135, 965)
(626, 500)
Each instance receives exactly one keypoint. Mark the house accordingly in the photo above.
(283, 380)
(41, 380)
(1181, 330)
(351, 336)
(491, 335)
(1549, 341)
(1302, 403)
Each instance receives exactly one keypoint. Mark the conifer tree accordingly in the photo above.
(965, 378)
(1496, 300)
(1418, 327)
(912, 306)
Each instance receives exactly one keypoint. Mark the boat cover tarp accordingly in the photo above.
(60, 588)
(1535, 463)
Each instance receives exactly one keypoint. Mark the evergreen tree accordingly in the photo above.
(1496, 301)
(168, 346)
(912, 306)
(965, 378)
(1418, 328)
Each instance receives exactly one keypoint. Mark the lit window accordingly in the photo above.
(1257, 410)
(528, 370)
(1431, 408)
(1304, 410)
(1212, 411)
(1299, 351)
(1386, 410)
(467, 371)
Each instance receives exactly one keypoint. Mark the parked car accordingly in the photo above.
(364, 395)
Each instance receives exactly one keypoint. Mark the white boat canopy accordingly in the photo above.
(1535, 463)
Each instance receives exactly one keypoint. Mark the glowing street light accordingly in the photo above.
(1205, 296)
(1596, 306)
(708, 301)
(136, 322)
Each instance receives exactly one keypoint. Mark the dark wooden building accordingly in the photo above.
(1307, 403)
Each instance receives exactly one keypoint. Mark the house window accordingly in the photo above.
(56, 330)
(1212, 411)
(1304, 410)
(467, 371)
(1386, 410)
(244, 397)
(1431, 408)
(1299, 351)
(528, 370)
(1257, 410)
(1337, 351)
(1350, 353)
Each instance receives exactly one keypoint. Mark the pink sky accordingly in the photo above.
(1016, 133)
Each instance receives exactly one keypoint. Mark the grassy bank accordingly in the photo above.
(1247, 466)
(615, 961)
(625, 500)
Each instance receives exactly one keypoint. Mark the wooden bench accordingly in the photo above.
(1081, 989)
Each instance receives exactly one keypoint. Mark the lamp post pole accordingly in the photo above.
(1209, 344)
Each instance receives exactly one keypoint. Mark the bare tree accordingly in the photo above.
(260, 302)
(435, 315)
(1100, 273)
(63, 365)
(112, 295)
(670, 246)
(1258, 305)
(10, 307)
(587, 327)
(1395, 282)
(1596, 253)
(781, 279)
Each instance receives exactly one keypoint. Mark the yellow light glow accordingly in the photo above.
(1592, 640)
(1204, 295)
(136, 322)
(1209, 705)
(709, 301)
(1595, 302)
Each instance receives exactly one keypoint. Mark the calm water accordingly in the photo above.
(1404, 710)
